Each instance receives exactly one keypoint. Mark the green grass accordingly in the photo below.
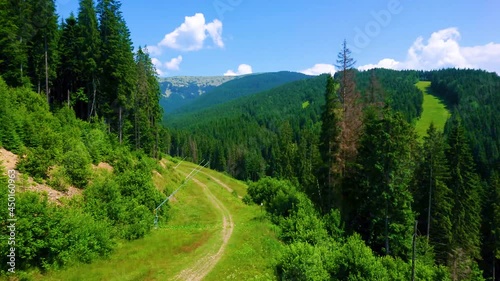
(434, 111)
(253, 249)
(192, 231)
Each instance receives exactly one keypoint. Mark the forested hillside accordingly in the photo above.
(242, 137)
(234, 89)
(85, 63)
(79, 111)
(474, 96)
(59, 151)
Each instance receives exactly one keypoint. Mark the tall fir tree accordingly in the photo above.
(15, 33)
(309, 160)
(68, 71)
(379, 194)
(287, 152)
(118, 78)
(352, 109)
(491, 227)
(42, 48)
(466, 189)
(89, 42)
(146, 109)
(329, 147)
(375, 95)
(434, 198)
(495, 222)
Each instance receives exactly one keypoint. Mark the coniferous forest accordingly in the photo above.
(352, 191)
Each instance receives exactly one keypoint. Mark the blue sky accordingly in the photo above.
(216, 37)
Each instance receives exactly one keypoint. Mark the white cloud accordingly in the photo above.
(174, 63)
(214, 30)
(319, 68)
(153, 50)
(192, 33)
(161, 68)
(385, 63)
(242, 70)
(441, 50)
(158, 65)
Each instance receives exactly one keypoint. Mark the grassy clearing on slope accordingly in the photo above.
(253, 249)
(162, 254)
(434, 111)
(192, 231)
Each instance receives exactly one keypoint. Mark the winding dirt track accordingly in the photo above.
(203, 266)
(219, 182)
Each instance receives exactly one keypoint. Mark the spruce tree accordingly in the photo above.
(379, 193)
(288, 152)
(435, 201)
(42, 48)
(466, 189)
(329, 145)
(352, 111)
(68, 71)
(375, 94)
(89, 43)
(146, 109)
(118, 78)
(495, 223)
(15, 32)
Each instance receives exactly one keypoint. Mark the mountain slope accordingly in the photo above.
(243, 136)
(244, 86)
(179, 91)
(474, 96)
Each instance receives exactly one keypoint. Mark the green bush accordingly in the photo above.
(97, 144)
(279, 197)
(58, 179)
(76, 164)
(127, 201)
(122, 160)
(356, 261)
(49, 236)
(9, 121)
(302, 261)
(36, 163)
(304, 224)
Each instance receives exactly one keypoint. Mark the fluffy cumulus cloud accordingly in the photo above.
(153, 50)
(385, 63)
(442, 49)
(192, 34)
(242, 70)
(174, 63)
(319, 68)
(161, 68)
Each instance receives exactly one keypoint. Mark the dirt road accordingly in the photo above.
(203, 266)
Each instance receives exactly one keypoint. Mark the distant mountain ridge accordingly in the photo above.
(237, 88)
(179, 91)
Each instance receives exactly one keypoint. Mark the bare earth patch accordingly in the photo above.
(104, 166)
(9, 161)
(53, 195)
